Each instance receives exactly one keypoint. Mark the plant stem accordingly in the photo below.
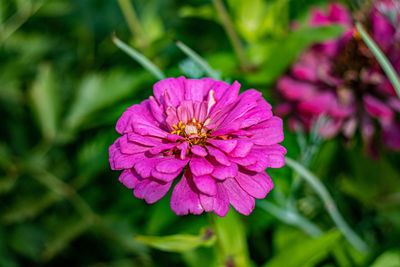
(133, 22)
(199, 60)
(382, 59)
(233, 37)
(290, 217)
(330, 205)
(141, 59)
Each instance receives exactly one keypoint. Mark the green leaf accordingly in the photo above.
(231, 239)
(199, 60)
(101, 90)
(45, 101)
(306, 252)
(179, 243)
(139, 58)
(280, 53)
(388, 259)
(257, 18)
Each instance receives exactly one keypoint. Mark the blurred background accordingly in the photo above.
(64, 84)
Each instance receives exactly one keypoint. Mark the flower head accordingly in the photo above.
(341, 79)
(221, 141)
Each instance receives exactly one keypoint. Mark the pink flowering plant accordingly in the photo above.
(342, 80)
(214, 141)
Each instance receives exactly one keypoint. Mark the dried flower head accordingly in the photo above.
(221, 141)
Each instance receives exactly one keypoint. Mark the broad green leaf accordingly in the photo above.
(307, 252)
(256, 19)
(231, 239)
(278, 54)
(101, 90)
(180, 242)
(388, 259)
(45, 101)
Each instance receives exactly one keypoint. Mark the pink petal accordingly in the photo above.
(143, 167)
(158, 149)
(173, 87)
(156, 110)
(239, 199)
(219, 156)
(376, 108)
(200, 166)
(222, 172)
(205, 184)
(194, 90)
(317, 104)
(255, 184)
(123, 124)
(165, 177)
(224, 145)
(391, 136)
(171, 165)
(124, 161)
(151, 191)
(242, 148)
(295, 90)
(199, 151)
(218, 203)
(129, 178)
(185, 197)
(268, 132)
(128, 147)
(144, 140)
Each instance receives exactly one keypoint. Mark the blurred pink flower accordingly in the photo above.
(342, 80)
(222, 141)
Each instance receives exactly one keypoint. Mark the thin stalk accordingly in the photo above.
(233, 37)
(133, 22)
(382, 59)
(291, 218)
(199, 60)
(141, 59)
(18, 19)
(330, 205)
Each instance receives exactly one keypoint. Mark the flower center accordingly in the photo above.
(193, 132)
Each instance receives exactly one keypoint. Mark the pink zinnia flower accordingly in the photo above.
(341, 79)
(222, 141)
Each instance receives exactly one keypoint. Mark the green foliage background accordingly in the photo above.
(64, 84)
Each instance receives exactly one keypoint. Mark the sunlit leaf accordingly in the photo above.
(180, 242)
(277, 55)
(45, 101)
(101, 90)
(388, 259)
(307, 252)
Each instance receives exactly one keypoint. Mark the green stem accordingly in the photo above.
(199, 60)
(233, 37)
(382, 59)
(330, 205)
(290, 217)
(231, 239)
(19, 18)
(141, 59)
(133, 22)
